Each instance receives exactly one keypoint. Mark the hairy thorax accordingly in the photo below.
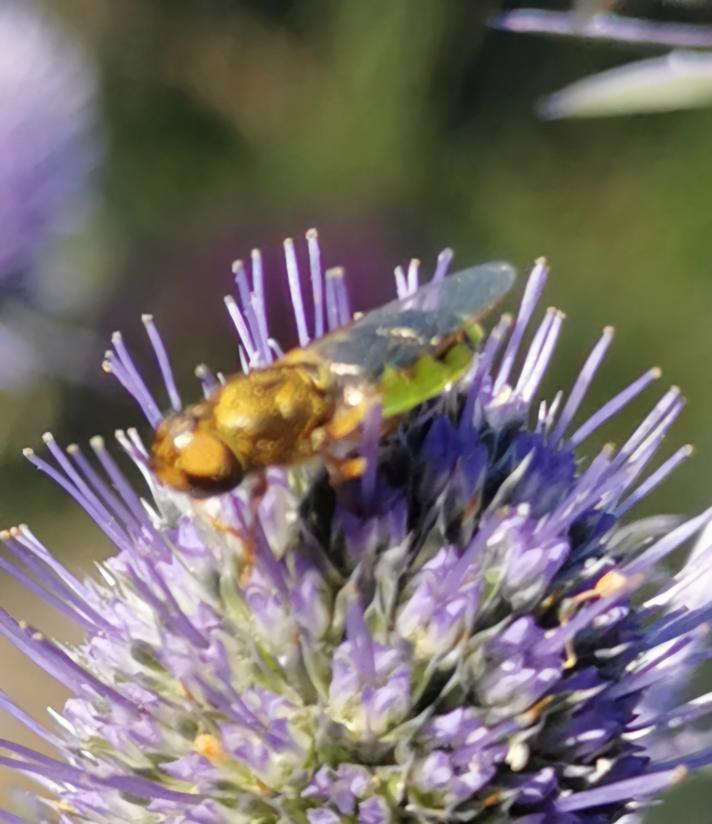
(273, 416)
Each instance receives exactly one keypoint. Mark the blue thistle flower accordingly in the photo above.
(471, 631)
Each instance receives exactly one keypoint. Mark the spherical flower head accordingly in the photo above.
(47, 141)
(469, 629)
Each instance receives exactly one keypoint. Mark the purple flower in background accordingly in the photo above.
(48, 149)
(470, 631)
(47, 145)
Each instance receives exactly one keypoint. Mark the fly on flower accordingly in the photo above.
(315, 399)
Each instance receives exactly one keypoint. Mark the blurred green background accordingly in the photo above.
(397, 129)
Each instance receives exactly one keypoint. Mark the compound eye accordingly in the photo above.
(208, 464)
(193, 461)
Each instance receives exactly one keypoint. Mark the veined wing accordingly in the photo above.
(399, 335)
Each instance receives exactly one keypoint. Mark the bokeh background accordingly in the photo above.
(397, 129)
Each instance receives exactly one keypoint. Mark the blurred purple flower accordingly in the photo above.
(48, 149)
(47, 140)
(459, 635)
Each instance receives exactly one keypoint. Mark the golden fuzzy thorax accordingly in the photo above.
(271, 416)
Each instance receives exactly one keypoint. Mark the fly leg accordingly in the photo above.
(245, 530)
(342, 470)
(336, 441)
(358, 428)
(257, 491)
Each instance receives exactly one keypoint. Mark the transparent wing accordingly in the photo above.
(399, 334)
